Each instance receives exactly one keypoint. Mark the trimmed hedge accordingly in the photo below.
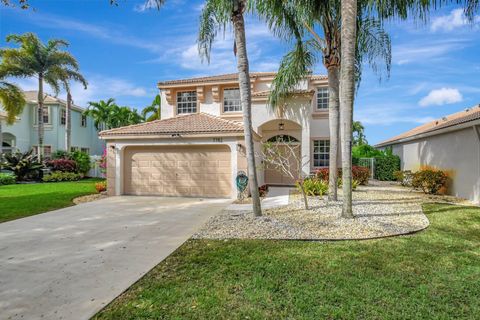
(385, 166)
(58, 176)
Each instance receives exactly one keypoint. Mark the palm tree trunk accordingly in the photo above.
(347, 90)
(1, 142)
(68, 122)
(333, 115)
(246, 101)
(41, 130)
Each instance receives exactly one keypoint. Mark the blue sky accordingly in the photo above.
(125, 50)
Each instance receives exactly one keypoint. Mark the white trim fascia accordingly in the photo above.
(431, 133)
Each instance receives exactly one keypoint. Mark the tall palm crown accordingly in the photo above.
(153, 112)
(12, 100)
(47, 62)
(101, 112)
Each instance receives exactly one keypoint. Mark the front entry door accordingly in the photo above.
(276, 177)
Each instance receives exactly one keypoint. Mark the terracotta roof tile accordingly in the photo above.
(226, 77)
(464, 116)
(195, 123)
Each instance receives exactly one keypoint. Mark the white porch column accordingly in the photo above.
(234, 164)
(306, 143)
(118, 170)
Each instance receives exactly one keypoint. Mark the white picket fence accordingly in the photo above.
(95, 168)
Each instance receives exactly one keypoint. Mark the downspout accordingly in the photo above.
(476, 129)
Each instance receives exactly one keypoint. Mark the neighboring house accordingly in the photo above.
(198, 148)
(23, 134)
(451, 144)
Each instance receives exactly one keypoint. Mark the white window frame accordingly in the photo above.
(322, 99)
(35, 150)
(63, 116)
(187, 104)
(85, 150)
(234, 104)
(49, 115)
(321, 147)
(73, 149)
(83, 121)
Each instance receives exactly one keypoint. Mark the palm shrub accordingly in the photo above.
(82, 160)
(25, 166)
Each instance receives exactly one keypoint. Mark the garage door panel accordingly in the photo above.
(178, 171)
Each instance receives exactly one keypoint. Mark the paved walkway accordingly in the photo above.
(69, 263)
(276, 197)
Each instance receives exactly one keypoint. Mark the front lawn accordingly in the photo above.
(432, 274)
(22, 200)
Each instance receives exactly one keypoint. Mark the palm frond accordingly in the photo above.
(12, 99)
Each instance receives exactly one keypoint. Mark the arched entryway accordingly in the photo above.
(286, 135)
(8, 142)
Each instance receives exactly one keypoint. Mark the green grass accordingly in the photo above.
(23, 200)
(434, 274)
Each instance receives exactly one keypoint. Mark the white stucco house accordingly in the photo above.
(451, 143)
(197, 148)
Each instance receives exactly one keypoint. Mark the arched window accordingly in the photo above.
(283, 138)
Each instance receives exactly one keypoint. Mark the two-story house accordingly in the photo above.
(198, 148)
(23, 134)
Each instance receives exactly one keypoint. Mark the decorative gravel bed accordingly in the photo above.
(89, 198)
(380, 210)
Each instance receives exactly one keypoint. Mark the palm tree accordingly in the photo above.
(101, 112)
(215, 15)
(298, 21)
(153, 111)
(46, 62)
(12, 101)
(358, 131)
(66, 76)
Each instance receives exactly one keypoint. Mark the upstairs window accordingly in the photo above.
(186, 102)
(321, 153)
(84, 121)
(63, 117)
(231, 100)
(322, 98)
(85, 150)
(46, 115)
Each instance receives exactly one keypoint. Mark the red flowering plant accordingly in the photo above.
(102, 163)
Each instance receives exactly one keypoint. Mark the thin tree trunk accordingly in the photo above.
(333, 114)
(1, 143)
(41, 130)
(68, 122)
(347, 88)
(246, 101)
(305, 198)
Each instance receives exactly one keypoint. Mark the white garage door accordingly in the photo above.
(196, 171)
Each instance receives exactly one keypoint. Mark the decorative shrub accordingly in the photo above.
(63, 165)
(101, 186)
(429, 181)
(385, 166)
(263, 190)
(355, 184)
(361, 174)
(102, 163)
(25, 166)
(313, 187)
(404, 177)
(58, 176)
(60, 154)
(7, 178)
(83, 161)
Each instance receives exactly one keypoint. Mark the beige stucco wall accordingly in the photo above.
(457, 152)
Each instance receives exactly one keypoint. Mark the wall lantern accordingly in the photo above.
(281, 126)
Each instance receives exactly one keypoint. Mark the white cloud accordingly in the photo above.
(146, 5)
(441, 96)
(99, 87)
(388, 115)
(426, 51)
(454, 20)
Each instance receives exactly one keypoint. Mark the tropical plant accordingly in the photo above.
(12, 102)
(59, 154)
(358, 131)
(297, 19)
(66, 75)
(313, 186)
(58, 176)
(216, 14)
(25, 166)
(101, 112)
(64, 165)
(82, 160)
(7, 178)
(153, 111)
(47, 62)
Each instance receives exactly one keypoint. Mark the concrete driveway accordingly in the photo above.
(69, 263)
